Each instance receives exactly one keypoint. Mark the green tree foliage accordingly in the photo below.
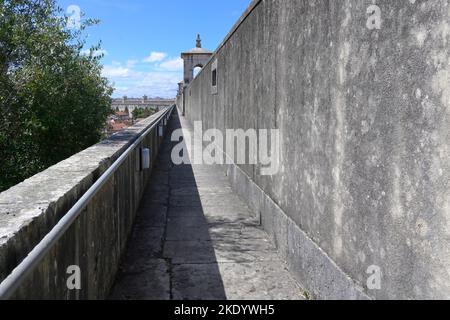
(53, 100)
(142, 113)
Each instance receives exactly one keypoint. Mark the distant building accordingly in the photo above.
(114, 127)
(122, 116)
(128, 105)
(118, 121)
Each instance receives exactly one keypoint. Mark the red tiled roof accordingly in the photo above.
(118, 126)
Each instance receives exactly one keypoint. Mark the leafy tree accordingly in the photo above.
(142, 113)
(53, 100)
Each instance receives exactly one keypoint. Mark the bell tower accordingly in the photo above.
(196, 57)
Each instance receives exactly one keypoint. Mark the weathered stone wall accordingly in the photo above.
(97, 239)
(364, 117)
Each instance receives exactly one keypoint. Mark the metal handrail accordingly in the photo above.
(23, 270)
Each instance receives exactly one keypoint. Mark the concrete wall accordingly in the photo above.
(97, 239)
(364, 117)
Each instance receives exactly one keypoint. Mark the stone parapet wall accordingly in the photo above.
(96, 241)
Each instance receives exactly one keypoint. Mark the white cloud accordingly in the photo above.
(131, 63)
(133, 83)
(172, 65)
(157, 84)
(116, 72)
(135, 80)
(152, 84)
(155, 57)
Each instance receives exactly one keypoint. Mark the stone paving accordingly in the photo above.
(195, 238)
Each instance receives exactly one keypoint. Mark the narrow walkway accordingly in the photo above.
(194, 238)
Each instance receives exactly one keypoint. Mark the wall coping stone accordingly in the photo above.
(40, 196)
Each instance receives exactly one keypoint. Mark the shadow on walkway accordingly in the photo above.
(196, 239)
(156, 264)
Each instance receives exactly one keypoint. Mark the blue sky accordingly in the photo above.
(142, 39)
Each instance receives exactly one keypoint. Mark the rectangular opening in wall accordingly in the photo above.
(214, 77)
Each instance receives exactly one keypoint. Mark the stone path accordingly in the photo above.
(195, 238)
